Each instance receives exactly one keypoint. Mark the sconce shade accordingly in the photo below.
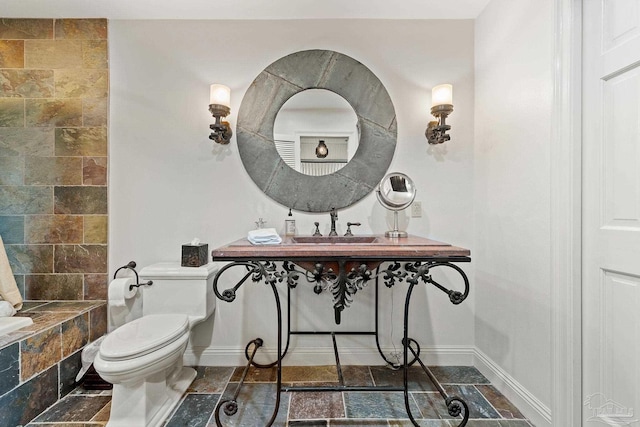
(220, 106)
(220, 95)
(441, 107)
(442, 95)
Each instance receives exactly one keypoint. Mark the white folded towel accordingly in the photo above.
(6, 309)
(264, 236)
(8, 288)
(88, 355)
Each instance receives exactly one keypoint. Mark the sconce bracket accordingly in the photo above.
(222, 132)
(436, 132)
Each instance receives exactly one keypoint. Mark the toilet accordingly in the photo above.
(142, 355)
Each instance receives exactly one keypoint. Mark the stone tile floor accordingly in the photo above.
(488, 407)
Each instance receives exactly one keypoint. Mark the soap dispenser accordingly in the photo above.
(290, 225)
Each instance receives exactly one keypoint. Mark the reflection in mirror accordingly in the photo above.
(396, 192)
(316, 132)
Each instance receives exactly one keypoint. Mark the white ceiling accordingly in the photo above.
(243, 9)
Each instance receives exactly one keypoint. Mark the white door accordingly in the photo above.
(611, 212)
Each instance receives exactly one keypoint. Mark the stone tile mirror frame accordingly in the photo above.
(316, 69)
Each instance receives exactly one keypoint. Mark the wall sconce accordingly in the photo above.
(220, 106)
(441, 107)
(322, 150)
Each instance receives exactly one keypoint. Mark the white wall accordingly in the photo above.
(169, 183)
(513, 72)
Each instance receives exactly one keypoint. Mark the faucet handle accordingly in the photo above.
(349, 224)
(317, 232)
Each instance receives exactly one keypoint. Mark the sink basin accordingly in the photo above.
(334, 239)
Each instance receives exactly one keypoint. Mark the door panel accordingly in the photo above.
(619, 339)
(620, 148)
(611, 212)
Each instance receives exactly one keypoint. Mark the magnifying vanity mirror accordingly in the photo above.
(375, 132)
(396, 192)
(316, 132)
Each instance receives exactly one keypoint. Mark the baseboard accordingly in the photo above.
(530, 406)
(301, 356)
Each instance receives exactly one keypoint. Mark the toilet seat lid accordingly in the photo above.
(143, 335)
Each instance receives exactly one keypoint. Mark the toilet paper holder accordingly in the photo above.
(131, 265)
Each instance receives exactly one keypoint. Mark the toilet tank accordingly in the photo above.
(176, 289)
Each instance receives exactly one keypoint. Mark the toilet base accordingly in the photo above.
(150, 403)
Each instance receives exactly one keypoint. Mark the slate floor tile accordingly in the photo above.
(292, 374)
(423, 423)
(210, 379)
(256, 403)
(377, 405)
(255, 375)
(431, 405)
(478, 405)
(316, 405)
(499, 402)
(358, 423)
(357, 375)
(498, 423)
(194, 411)
(417, 379)
(74, 408)
(74, 424)
(308, 423)
(458, 375)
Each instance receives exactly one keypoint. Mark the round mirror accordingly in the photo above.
(337, 73)
(315, 132)
(396, 192)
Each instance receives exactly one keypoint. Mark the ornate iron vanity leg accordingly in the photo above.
(257, 272)
(280, 355)
(455, 405)
(231, 405)
(377, 330)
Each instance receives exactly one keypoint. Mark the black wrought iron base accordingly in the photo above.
(343, 284)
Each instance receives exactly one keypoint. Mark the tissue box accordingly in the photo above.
(195, 255)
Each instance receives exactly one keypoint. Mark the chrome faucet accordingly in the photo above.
(334, 217)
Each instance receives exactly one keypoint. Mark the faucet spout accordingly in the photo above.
(334, 218)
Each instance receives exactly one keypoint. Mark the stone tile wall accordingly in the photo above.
(53, 201)
(39, 363)
(54, 86)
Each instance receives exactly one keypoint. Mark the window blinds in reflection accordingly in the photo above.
(287, 151)
(318, 169)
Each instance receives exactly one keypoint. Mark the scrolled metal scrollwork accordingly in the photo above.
(322, 277)
(393, 273)
(291, 274)
(347, 284)
(342, 284)
(414, 272)
(229, 295)
(230, 407)
(259, 271)
(457, 406)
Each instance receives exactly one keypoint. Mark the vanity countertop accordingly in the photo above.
(383, 248)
